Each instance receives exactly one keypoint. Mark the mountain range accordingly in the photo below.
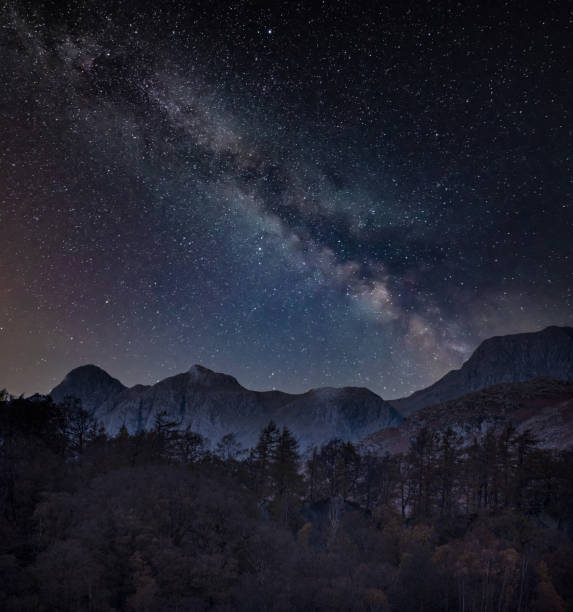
(214, 404)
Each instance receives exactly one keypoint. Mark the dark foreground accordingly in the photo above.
(155, 522)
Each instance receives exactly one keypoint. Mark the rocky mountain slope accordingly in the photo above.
(214, 404)
(512, 358)
(542, 405)
(90, 384)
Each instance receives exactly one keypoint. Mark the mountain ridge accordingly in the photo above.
(213, 404)
(508, 358)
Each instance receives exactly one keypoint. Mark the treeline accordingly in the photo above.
(158, 521)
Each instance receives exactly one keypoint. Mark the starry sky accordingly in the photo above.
(300, 194)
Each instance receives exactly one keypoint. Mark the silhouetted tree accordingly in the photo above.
(336, 470)
(190, 446)
(421, 473)
(81, 427)
(228, 448)
(261, 458)
(284, 471)
(446, 471)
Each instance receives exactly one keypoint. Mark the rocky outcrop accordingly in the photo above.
(512, 358)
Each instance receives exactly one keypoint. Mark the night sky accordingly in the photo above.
(306, 195)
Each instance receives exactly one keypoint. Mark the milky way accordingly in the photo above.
(300, 196)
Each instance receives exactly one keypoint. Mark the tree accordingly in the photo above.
(504, 465)
(260, 459)
(524, 447)
(313, 475)
(164, 434)
(447, 459)
(81, 426)
(228, 448)
(378, 477)
(337, 469)
(190, 445)
(284, 470)
(421, 472)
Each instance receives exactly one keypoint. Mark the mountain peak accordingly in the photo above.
(88, 370)
(200, 375)
(90, 384)
(197, 369)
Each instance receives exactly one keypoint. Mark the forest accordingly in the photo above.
(163, 520)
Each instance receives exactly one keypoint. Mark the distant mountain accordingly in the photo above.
(92, 385)
(512, 358)
(542, 405)
(214, 404)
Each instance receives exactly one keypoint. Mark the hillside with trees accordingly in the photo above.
(156, 521)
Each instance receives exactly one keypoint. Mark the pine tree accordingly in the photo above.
(261, 458)
(313, 475)
(284, 471)
(421, 472)
(164, 434)
(285, 463)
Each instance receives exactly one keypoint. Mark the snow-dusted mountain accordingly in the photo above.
(501, 359)
(214, 404)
